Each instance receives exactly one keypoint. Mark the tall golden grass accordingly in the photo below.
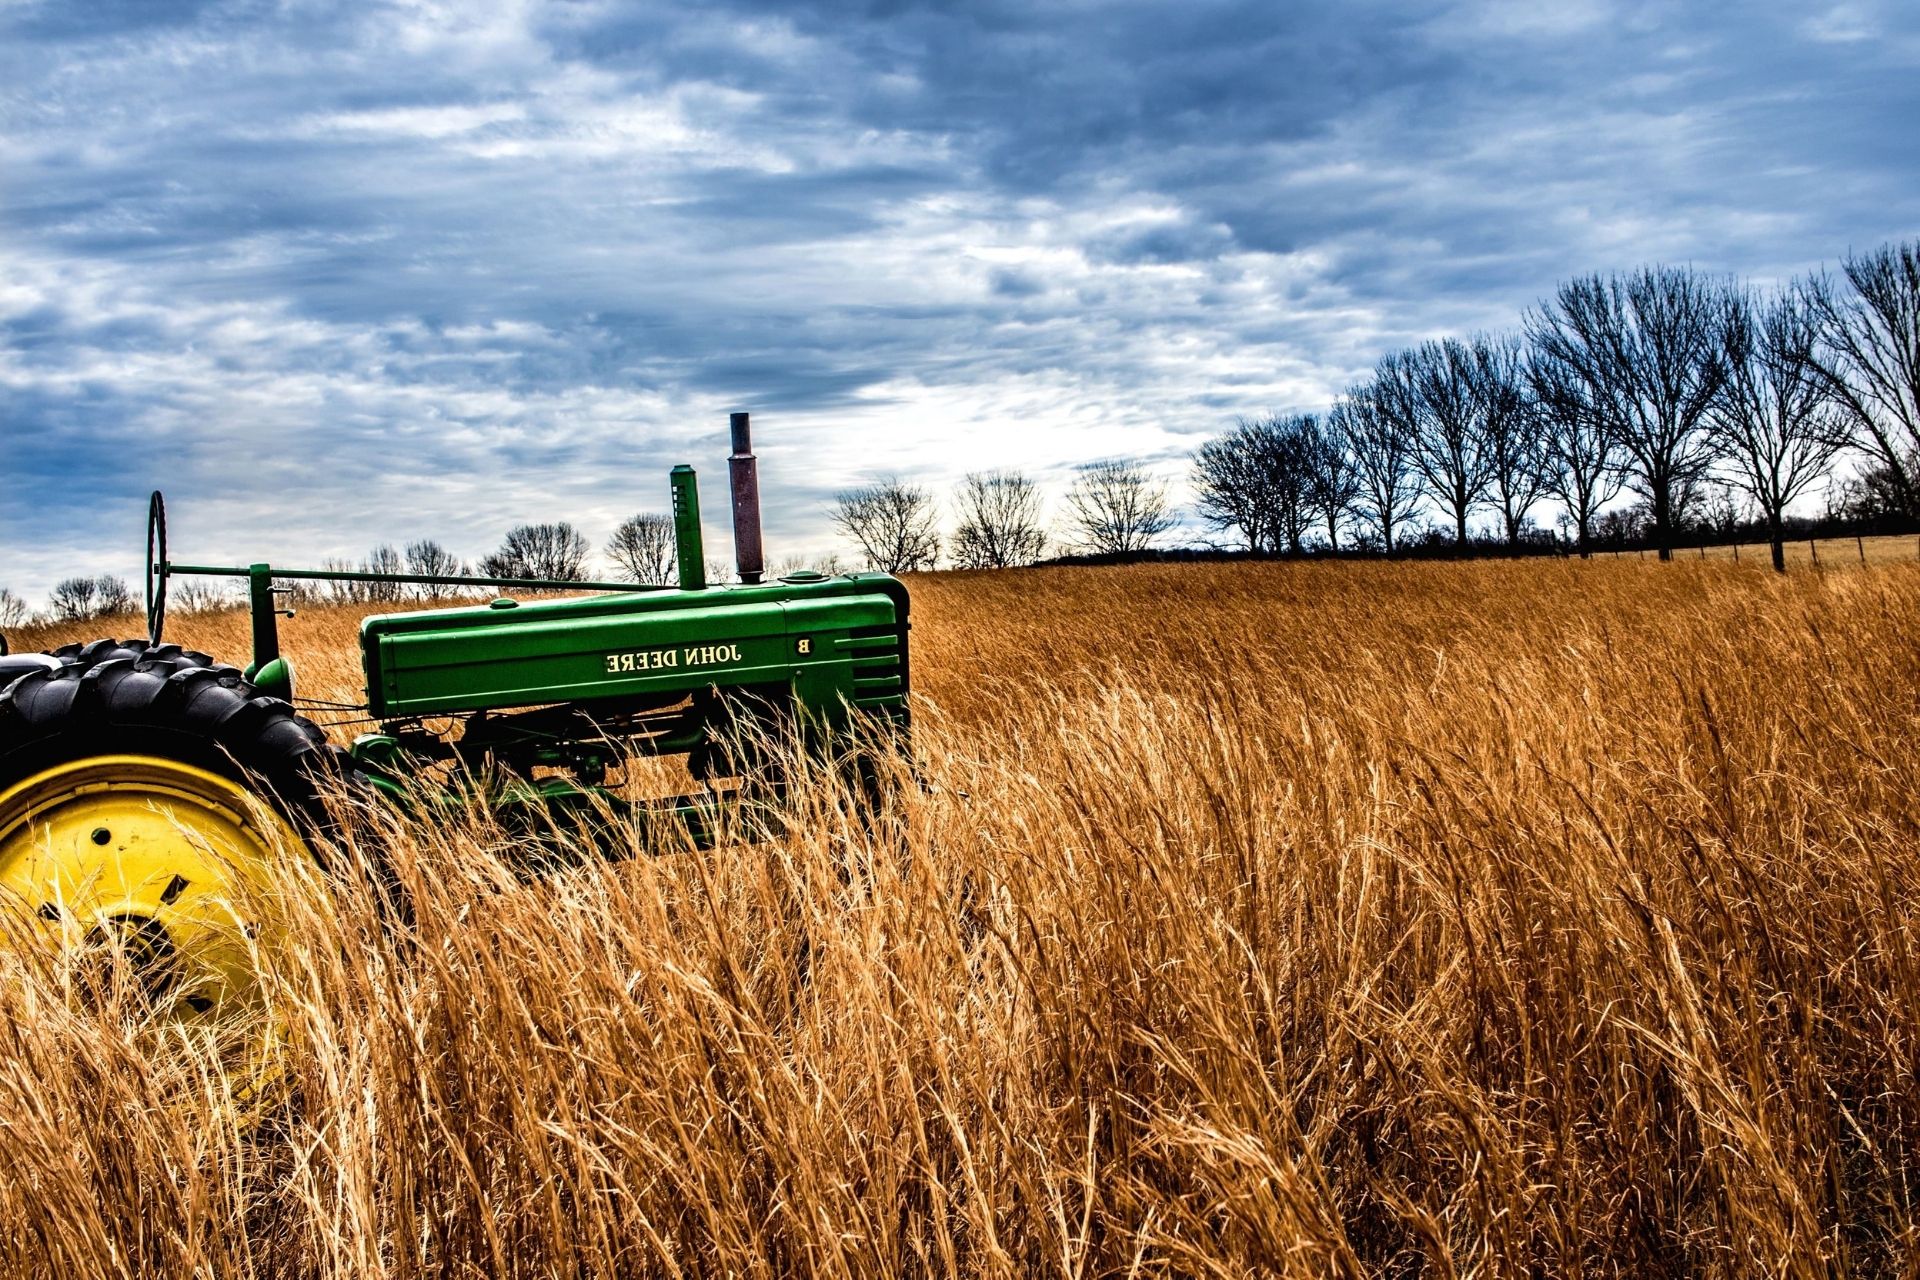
(1486, 919)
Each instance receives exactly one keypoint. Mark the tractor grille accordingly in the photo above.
(879, 656)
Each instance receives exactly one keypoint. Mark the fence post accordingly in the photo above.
(1862, 544)
(1703, 551)
(1736, 553)
(1814, 546)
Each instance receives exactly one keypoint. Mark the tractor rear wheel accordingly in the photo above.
(144, 791)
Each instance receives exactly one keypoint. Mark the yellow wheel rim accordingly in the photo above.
(153, 876)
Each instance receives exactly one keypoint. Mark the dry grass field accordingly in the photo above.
(1488, 919)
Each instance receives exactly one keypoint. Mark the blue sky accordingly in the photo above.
(333, 275)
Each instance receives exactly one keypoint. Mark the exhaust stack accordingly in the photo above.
(744, 470)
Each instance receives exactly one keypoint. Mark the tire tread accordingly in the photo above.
(110, 688)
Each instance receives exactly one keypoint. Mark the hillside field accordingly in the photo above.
(1495, 918)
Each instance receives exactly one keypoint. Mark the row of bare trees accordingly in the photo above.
(71, 600)
(1651, 382)
(1113, 507)
(554, 552)
(641, 550)
(76, 599)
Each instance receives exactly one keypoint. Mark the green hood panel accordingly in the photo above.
(841, 639)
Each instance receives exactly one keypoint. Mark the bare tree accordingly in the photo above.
(1333, 480)
(13, 610)
(1868, 358)
(539, 551)
(892, 523)
(1581, 461)
(999, 521)
(828, 564)
(1509, 429)
(1430, 394)
(1869, 494)
(1117, 507)
(1724, 509)
(1258, 478)
(1693, 502)
(1645, 347)
(197, 595)
(1382, 455)
(1776, 426)
(1290, 441)
(74, 599)
(344, 590)
(429, 559)
(1230, 482)
(116, 597)
(384, 559)
(643, 548)
(78, 599)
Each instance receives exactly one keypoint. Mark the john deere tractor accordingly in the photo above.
(143, 785)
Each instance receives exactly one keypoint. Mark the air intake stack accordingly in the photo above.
(744, 470)
(689, 554)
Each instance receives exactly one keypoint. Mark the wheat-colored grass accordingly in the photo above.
(1486, 919)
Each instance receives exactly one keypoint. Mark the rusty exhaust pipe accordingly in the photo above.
(744, 470)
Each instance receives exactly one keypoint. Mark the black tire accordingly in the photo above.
(133, 698)
(116, 697)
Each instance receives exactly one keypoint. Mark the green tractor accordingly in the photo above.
(143, 785)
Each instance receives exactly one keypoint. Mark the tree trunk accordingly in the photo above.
(1778, 537)
(1586, 537)
(1663, 518)
(1333, 533)
(1903, 487)
(1460, 529)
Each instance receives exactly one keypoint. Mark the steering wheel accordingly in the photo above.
(156, 566)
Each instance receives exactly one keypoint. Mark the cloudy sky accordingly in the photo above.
(336, 274)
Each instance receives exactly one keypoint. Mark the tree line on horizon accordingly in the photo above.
(1715, 405)
(1114, 507)
(1664, 382)
(641, 550)
(1119, 506)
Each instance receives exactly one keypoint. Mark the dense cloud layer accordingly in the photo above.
(338, 274)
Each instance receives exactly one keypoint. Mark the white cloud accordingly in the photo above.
(1841, 24)
(410, 122)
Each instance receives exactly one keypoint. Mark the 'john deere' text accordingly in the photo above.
(693, 655)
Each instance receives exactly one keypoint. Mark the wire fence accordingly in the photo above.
(1852, 549)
